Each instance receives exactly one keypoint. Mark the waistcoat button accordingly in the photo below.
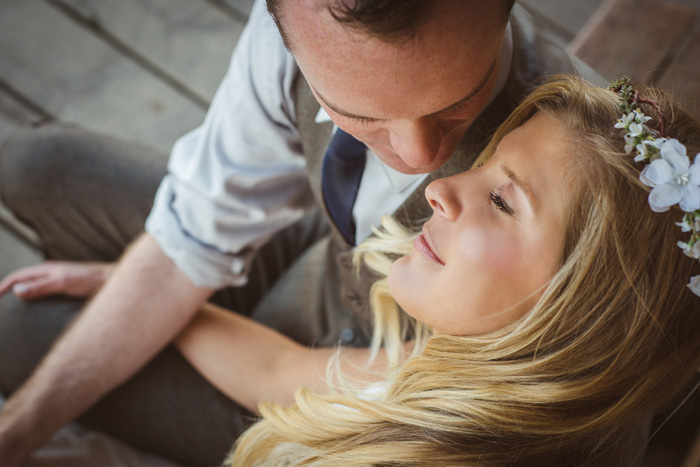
(354, 298)
(347, 336)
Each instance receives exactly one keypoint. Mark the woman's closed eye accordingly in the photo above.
(500, 203)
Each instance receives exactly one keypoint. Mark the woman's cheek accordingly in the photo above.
(503, 254)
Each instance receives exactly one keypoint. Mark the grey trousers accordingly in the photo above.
(87, 197)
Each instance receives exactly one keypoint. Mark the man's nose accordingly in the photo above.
(417, 142)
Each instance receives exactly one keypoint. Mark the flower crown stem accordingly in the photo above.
(662, 115)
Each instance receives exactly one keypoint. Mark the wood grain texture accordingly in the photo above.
(633, 37)
(566, 17)
(242, 7)
(189, 40)
(14, 114)
(78, 78)
(682, 78)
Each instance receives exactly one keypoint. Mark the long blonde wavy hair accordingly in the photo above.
(613, 337)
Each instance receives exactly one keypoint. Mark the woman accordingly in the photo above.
(555, 297)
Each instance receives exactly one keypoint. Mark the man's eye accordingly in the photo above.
(363, 121)
(500, 203)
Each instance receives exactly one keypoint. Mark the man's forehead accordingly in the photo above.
(471, 91)
(366, 77)
(393, 22)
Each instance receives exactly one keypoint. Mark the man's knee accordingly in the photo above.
(33, 163)
(86, 195)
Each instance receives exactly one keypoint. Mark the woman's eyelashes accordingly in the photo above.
(500, 203)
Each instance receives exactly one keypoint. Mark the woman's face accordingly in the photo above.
(496, 236)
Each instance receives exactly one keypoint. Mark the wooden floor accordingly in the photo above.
(147, 69)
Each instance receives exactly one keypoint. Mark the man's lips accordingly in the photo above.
(423, 244)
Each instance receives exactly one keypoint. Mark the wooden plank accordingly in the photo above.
(693, 457)
(682, 78)
(15, 114)
(79, 78)
(565, 17)
(190, 41)
(632, 37)
(241, 7)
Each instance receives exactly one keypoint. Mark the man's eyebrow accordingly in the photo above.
(465, 99)
(472, 94)
(523, 185)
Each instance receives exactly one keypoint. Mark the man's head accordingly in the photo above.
(406, 77)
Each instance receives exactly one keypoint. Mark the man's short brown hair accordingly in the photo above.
(388, 20)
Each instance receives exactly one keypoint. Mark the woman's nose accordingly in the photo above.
(417, 142)
(443, 197)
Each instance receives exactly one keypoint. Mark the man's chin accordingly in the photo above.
(395, 162)
(400, 166)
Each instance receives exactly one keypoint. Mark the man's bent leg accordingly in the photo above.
(86, 195)
(167, 408)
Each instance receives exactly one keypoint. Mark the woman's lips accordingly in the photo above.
(423, 245)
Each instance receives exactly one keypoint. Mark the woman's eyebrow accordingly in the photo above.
(523, 185)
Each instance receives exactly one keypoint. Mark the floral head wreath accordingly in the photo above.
(674, 180)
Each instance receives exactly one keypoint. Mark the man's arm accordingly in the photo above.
(144, 304)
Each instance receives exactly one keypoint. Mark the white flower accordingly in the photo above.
(637, 129)
(693, 252)
(634, 116)
(639, 117)
(643, 148)
(657, 142)
(694, 285)
(625, 120)
(674, 179)
(684, 225)
(642, 152)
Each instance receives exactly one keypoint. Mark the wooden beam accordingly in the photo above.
(682, 78)
(15, 114)
(77, 77)
(633, 37)
(185, 42)
(566, 18)
(240, 7)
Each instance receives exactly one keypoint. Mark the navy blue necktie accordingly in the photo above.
(341, 173)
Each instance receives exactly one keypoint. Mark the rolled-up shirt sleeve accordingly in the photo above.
(240, 177)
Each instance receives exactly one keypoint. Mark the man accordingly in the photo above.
(421, 83)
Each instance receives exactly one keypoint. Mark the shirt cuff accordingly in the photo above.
(205, 265)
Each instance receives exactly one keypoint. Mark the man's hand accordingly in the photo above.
(74, 279)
